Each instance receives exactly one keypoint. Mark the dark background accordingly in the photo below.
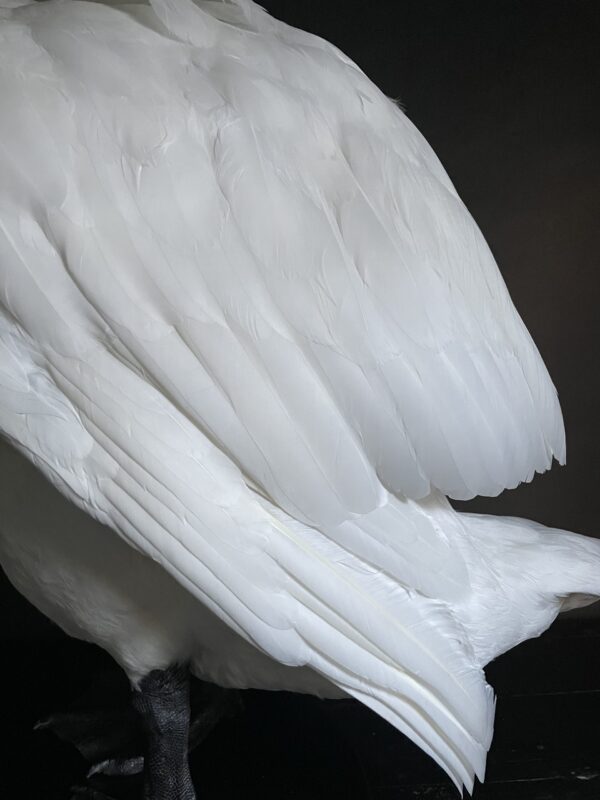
(506, 93)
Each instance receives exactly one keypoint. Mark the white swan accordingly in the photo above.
(248, 327)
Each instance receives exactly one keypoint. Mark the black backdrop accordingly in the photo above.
(506, 93)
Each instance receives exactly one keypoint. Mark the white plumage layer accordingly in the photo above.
(253, 202)
(247, 323)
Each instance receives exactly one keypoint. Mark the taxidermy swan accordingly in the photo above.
(251, 333)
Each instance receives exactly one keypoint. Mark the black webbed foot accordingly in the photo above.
(97, 735)
(210, 705)
(151, 731)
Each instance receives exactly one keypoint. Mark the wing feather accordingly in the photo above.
(250, 321)
(312, 251)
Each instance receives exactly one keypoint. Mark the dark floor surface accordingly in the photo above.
(296, 748)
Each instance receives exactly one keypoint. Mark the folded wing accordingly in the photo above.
(241, 305)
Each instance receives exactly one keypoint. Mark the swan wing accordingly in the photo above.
(242, 308)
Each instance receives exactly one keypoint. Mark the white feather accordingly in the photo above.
(247, 324)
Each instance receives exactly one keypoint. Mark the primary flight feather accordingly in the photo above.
(247, 325)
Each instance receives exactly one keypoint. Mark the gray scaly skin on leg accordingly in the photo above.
(113, 740)
(215, 704)
(163, 705)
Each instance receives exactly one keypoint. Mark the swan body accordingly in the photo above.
(250, 342)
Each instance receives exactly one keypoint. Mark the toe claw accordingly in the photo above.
(117, 767)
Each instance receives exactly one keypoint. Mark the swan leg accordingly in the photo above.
(163, 705)
(210, 704)
(113, 741)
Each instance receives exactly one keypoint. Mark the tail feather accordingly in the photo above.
(402, 654)
(523, 575)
